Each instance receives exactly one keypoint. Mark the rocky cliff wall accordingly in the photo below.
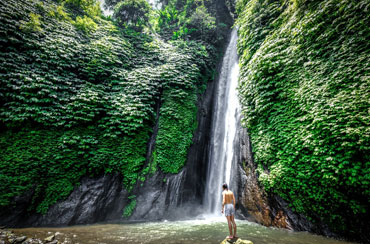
(255, 204)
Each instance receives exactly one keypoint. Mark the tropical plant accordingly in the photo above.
(134, 13)
(203, 23)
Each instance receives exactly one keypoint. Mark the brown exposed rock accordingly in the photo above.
(252, 199)
(280, 220)
(255, 204)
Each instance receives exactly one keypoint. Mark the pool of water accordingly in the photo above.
(207, 230)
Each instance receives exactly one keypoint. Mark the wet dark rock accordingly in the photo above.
(12, 215)
(95, 199)
(154, 197)
(196, 166)
(255, 204)
(298, 221)
(169, 196)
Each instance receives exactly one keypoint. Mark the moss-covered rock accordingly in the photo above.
(304, 89)
(78, 97)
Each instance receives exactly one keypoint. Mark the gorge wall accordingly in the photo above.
(100, 123)
(97, 122)
(304, 89)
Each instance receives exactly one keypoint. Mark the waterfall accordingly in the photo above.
(224, 123)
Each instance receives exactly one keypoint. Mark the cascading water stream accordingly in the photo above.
(225, 120)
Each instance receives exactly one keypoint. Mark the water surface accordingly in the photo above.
(210, 230)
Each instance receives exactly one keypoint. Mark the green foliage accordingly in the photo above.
(84, 11)
(85, 24)
(304, 89)
(53, 161)
(189, 20)
(130, 207)
(82, 103)
(176, 127)
(110, 4)
(169, 20)
(132, 13)
(177, 121)
(33, 24)
(168, 17)
(183, 32)
(59, 13)
(203, 23)
(84, 7)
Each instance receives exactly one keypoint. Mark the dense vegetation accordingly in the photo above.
(79, 94)
(305, 93)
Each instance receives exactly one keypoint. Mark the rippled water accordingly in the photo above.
(210, 230)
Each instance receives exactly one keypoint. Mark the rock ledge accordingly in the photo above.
(235, 241)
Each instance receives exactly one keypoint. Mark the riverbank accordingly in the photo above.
(10, 237)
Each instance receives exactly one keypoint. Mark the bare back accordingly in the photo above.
(228, 197)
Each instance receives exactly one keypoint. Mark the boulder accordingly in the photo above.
(49, 238)
(20, 239)
(32, 241)
(235, 241)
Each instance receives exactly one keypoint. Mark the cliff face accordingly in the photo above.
(160, 196)
(304, 86)
(257, 205)
(96, 199)
(101, 108)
